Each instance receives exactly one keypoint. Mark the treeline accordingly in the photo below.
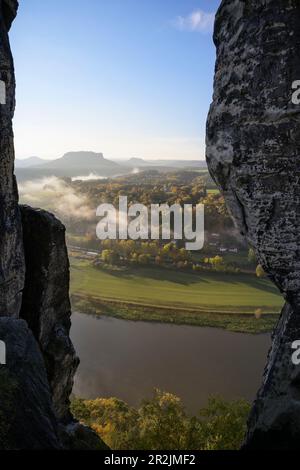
(169, 188)
(162, 423)
(168, 255)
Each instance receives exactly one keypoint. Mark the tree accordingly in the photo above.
(134, 257)
(168, 248)
(222, 424)
(258, 313)
(162, 423)
(217, 261)
(180, 265)
(112, 419)
(251, 256)
(260, 273)
(109, 257)
(158, 260)
(183, 254)
(107, 244)
(143, 259)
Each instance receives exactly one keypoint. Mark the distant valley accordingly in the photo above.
(90, 164)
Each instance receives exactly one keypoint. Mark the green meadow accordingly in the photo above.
(238, 302)
(213, 191)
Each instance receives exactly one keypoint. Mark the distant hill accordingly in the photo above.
(28, 162)
(136, 162)
(73, 164)
(85, 163)
(88, 161)
(179, 163)
(141, 163)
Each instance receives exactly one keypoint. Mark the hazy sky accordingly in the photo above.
(129, 78)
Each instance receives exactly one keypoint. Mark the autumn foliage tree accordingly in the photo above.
(162, 423)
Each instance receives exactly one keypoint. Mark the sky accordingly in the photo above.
(129, 78)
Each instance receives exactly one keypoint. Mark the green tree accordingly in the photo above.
(158, 260)
(217, 261)
(109, 256)
(260, 271)
(222, 425)
(167, 249)
(144, 259)
(251, 256)
(163, 424)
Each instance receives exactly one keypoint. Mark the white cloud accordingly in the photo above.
(197, 21)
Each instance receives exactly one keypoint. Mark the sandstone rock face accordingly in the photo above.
(274, 421)
(37, 380)
(253, 145)
(11, 249)
(9, 9)
(27, 418)
(76, 436)
(253, 153)
(46, 305)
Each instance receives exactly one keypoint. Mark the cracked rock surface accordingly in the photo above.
(253, 153)
(27, 418)
(46, 304)
(11, 249)
(37, 379)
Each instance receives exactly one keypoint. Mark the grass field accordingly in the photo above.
(209, 299)
(213, 191)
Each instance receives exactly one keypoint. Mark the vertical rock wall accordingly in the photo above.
(11, 249)
(253, 153)
(37, 377)
(27, 417)
(46, 305)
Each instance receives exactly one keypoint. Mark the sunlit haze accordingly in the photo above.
(128, 78)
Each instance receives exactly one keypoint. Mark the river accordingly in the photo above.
(128, 360)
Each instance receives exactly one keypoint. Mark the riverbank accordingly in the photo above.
(244, 323)
(239, 303)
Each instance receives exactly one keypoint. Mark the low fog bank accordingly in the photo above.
(55, 195)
